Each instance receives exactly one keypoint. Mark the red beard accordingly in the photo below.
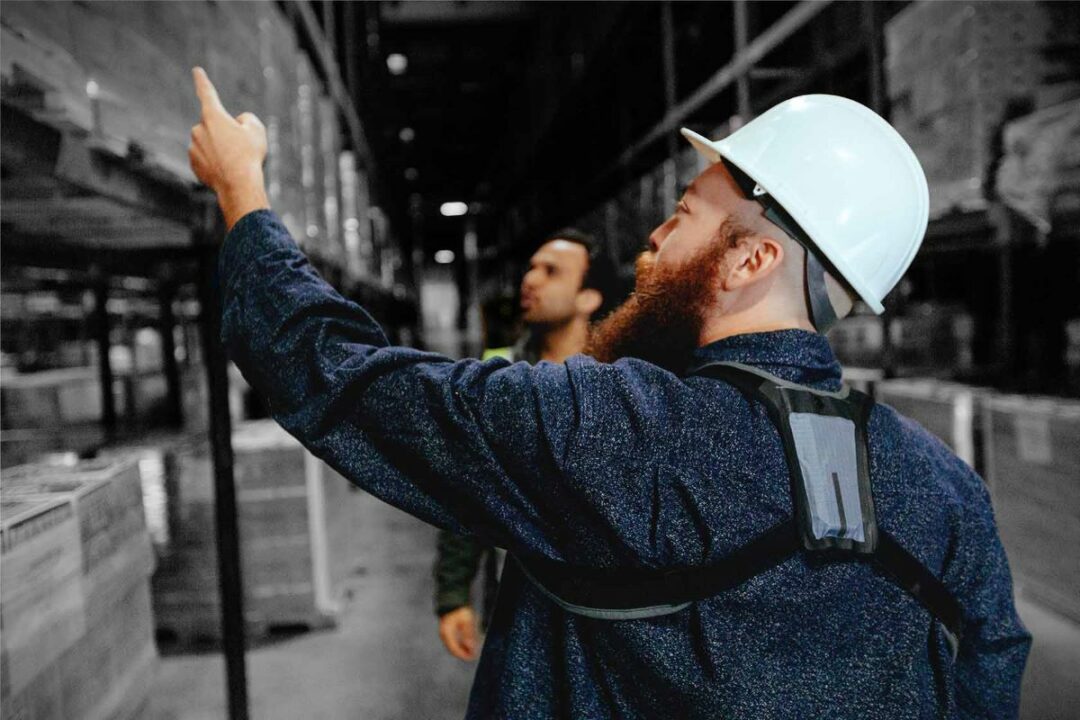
(661, 321)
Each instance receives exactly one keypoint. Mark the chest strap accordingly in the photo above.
(625, 593)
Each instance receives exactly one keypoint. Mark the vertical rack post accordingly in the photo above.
(873, 31)
(102, 333)
(167, 328)
(208, 233)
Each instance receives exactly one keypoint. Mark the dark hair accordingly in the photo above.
(601, 274)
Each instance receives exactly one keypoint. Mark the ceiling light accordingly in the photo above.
(411, 174)
(444, 257)
(407, 135)
(453, 209)
(396, 63)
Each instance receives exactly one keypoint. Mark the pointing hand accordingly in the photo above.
(227, 153)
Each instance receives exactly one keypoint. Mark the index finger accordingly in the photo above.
(207, 93)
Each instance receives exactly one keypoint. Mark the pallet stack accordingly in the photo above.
(295, 520)
(75, 600)
(1039, 176)
(958, 71)
(1032, 462)
(44, 399)
(120, 75)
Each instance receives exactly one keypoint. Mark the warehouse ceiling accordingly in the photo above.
(500, 99)
(528, 108)
(442, 115)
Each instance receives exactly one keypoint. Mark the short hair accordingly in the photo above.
(601, 274)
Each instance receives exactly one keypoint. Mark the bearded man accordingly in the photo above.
(708, 527)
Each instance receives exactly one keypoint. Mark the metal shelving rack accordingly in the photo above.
(71, 203)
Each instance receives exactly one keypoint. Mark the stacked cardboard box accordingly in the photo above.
(329, 150)
(277, 49)
(957, 71)
(121, 73)
(295, 518)
(311, 160)
(1040, 173)
(77, 630)
(51, 397)
(1032, 461)
(351, 209)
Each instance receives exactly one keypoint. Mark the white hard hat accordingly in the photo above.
(845, 176)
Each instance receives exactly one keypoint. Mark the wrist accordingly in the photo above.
(242, 194)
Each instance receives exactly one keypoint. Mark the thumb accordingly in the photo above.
(207, 93)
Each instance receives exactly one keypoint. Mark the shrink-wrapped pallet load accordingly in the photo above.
(295, 520)
(1039, 176)
(311, 174)
(958, 71)
(112, 71)
(1032, 462)
(349, 180)
(329, 147)
(280, 114)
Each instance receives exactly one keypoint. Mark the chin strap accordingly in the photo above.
(822, 314)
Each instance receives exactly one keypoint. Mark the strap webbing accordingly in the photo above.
(626, 588)
(905, 570)
(629, 588)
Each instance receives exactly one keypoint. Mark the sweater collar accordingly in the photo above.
(798, 356)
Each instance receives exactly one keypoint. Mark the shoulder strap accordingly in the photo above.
(823, 434)
(903, 568)
(634, 593)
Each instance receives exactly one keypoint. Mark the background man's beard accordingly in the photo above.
(662, 321)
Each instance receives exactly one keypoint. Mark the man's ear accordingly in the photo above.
(588, 301)
(752, 259)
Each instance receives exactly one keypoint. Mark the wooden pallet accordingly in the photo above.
(295, 518)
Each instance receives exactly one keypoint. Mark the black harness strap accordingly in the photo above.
(899, 565)
(626, 588)
(905, 570)
(613, 590)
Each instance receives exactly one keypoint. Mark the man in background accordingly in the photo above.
(568, 281)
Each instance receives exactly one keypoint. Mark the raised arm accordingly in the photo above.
(469, 446)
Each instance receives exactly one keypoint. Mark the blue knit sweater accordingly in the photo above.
(626, 464)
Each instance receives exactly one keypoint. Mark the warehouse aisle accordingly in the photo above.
(383, 661)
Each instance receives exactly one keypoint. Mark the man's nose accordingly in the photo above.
(657, 236)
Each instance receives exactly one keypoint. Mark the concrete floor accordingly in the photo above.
(1051, 688)
(384, 660)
